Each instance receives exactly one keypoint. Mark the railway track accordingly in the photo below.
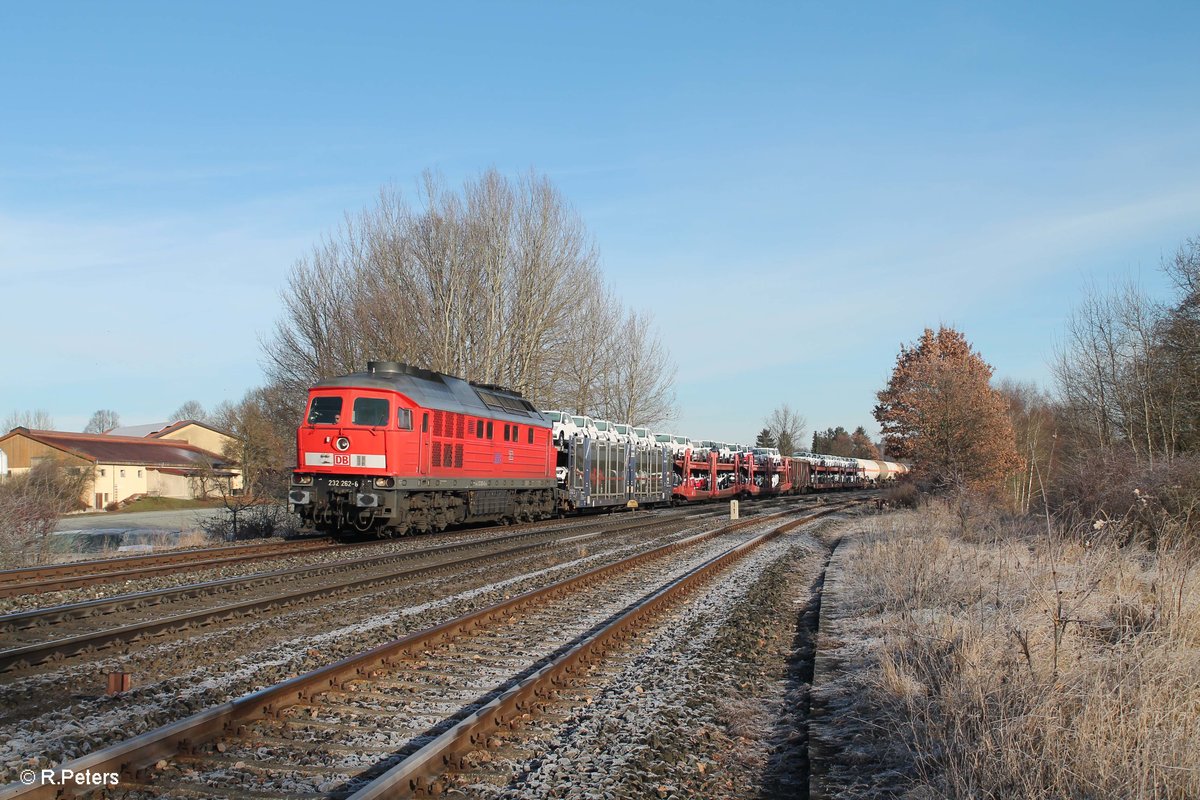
(394, 720)
(72, 575)
(74, 630)
(76, 574)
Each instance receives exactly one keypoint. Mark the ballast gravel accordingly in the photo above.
(254, 655)
(713, 705)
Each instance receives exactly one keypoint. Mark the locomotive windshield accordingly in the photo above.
(371, 411)
(325, 411)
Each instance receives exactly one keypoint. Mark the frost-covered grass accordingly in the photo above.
(1010, 662)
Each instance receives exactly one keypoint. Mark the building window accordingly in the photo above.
(102, 473)
(140, 472)
(122, 473)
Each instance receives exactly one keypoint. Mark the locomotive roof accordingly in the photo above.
(441, 392)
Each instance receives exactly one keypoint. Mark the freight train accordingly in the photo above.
(398, 449)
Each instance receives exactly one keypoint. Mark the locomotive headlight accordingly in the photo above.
(342, 444)
(385, 483)
(302, 480)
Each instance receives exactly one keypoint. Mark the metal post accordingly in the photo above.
(733, 509)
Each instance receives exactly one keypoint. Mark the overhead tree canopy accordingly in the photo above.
(38, 419)
(103, 420)
(497, 281)
(190, 410)
(786, 427)
(940, 411)
(861, 445)
(832, 441)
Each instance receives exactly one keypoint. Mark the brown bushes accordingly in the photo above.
(904, 494)
(1134, 500)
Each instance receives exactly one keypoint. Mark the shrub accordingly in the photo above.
(31, 505)
(1131, 499)
(250, 522)
(902, 495)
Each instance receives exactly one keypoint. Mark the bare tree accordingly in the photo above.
(497, 282)
(1121, 381)
(1179, 341)
(263, 425)
(38, 419)
(31, 505)
(587, 348)
(639, 384)
(190, 410)
(1035, 425)
(787, 428)
(103, 420)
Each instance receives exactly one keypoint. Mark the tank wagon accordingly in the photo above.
(398, 449)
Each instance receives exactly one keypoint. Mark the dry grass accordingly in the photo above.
(1019, 665)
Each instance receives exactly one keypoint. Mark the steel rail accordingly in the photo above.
(418, 773)
(32, 654)
(75, 574)
(39, 617)
(131, 758)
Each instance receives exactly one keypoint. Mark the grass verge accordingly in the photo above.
(1008, 663)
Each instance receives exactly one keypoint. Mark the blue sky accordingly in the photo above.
(794, 189)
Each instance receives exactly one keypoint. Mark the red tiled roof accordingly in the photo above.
(101, 448)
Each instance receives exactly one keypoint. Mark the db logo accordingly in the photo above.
(340, 460)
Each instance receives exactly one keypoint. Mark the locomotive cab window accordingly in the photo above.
(531, 435)
(479, 429)
(325, 411)
(404, 418)
(371, 411)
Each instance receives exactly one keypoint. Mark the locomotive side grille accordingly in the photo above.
(438, 418)
(458, 455)
(459, 420)
(437, 455)
(447, 455)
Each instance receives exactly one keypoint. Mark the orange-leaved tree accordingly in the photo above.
(940, 412)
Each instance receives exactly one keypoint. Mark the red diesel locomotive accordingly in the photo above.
(398, 449)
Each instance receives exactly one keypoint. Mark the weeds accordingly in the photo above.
(1039, 666)
(250, 522)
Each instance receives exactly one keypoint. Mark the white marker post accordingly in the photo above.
(733, 509)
